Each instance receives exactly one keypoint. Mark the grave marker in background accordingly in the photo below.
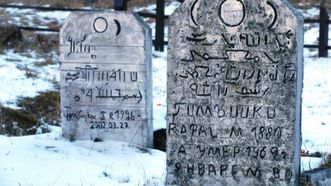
(234, 93)
(106, 88)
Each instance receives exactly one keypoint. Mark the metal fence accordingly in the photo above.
(159, 41)
(323, 38)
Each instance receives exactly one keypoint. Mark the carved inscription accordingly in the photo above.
(104, 87)
(233, 94)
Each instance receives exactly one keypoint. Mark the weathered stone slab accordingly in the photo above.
(106, 88)
(234, 93)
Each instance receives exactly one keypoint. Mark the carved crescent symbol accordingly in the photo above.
(118, 27)
(192, 9)
(275, 12)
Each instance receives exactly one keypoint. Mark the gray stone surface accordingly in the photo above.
(234, 93)
(106, 88)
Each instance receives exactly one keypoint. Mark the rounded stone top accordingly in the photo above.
(120, 28)
(236, 15)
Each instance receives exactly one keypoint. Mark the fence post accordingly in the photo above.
(159, 31)
(121, 4)
(324, 33)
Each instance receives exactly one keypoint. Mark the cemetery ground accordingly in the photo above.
(32, 151)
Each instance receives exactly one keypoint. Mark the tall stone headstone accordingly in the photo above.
(106, 88)
(234, 93)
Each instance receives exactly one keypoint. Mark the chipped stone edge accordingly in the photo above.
(299, 86)
(149, 89)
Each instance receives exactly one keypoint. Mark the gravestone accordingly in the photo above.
(234, 93)
(106, 88)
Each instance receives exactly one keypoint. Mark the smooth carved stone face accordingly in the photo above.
(232, 12)
(106, 78)
(234, 93)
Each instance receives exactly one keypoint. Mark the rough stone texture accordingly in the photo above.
(106, 88)
(234, 93)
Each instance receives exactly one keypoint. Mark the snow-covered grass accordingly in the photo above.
(316, 110)
(47, 159)
(22, 77)
(310, 163)
(31, 17)
(169, 7)
(316, 121)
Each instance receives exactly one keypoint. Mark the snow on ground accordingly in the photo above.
(21, 76)
(316, 112)
(312, 30)
(310, 163)
(169, 7)
(159, 89)
(48, 159)
(31, 17)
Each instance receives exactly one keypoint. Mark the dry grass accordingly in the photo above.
(310, 3)
(34, 112)
(16, 122)
(77, 3)
(46, 105)
(62, 3)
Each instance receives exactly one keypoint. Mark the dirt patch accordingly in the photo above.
(160, 137)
